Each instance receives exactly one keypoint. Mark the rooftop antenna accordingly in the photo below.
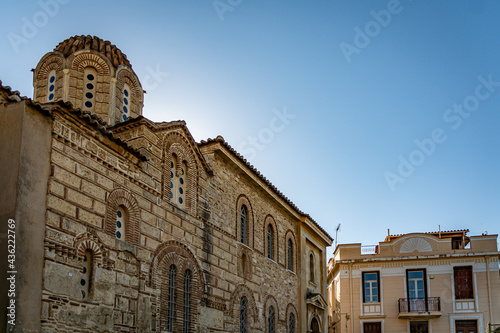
(336, 234)
(440, 231)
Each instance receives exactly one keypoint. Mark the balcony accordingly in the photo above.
(419, 308)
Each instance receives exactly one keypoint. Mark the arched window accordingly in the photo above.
(291, 323)
(121, 217)
(187, 295)
(51, 86)
(290, 255)
(271, 326)
(243, 315)
(311, 267)
(177, 182)
(171, 299)
(87, 274)
(89, 88)
(126, 102)
(243, 219)
(270, 237)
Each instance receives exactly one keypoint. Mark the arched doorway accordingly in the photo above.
(315, 326)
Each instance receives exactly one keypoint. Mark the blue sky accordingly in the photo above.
(373, 114)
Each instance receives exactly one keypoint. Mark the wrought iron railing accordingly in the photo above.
(431, 304)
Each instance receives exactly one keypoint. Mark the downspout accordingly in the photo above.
(488, 285)
(351, 296)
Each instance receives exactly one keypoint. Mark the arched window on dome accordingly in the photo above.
(121, 218)
(127, 94)
(51, 86)
(89, 88)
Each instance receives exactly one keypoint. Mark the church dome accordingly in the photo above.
(77, 43)
(93, 75)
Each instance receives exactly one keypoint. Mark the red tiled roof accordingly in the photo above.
(76, 43)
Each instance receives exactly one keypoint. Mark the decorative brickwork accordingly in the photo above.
(125, 75)
(291, 310)
(234, 306)
(86, 59)
(88, 241)
(178, 255)
(52, 62)
(271, 301)
(121, 197)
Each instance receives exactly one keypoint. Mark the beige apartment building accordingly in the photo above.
(418, 282)
(123, 224)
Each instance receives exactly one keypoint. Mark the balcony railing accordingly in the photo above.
(419, 307)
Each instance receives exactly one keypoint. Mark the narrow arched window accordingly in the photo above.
(243, 315)
(177, 182)
(89, 88)
(270, 235)
(171, 299)
(121, 217)
(86, 279)
(311, 267)
(243, 220)
(290, 255)
(291, 323)
(126, 102)
(271, 321)
(187, 296)
(51, 86)
(244, 263)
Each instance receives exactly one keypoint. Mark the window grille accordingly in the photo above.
(244, 224)
(270, 241)
(290, 255)
(171, 299)
(243, 315)
(187, 295)
(271, 324)
(291, 323)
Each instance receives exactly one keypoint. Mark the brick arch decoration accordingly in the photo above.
(178, 254)
(270, 220)
(124, 76)
(291, 309)
(271, 301)
(233, 311)
(121, 197)
(243, 200)
(87, 241)
(87, 58)
(176, 143)
(290, 235)
(54, 61)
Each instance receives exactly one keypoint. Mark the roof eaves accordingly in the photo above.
(219, 139)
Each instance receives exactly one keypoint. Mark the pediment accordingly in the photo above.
(316, 300)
